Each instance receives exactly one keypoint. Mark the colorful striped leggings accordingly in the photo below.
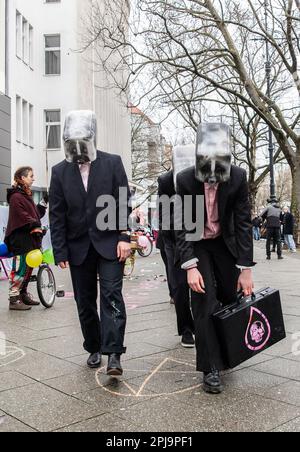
(19, 278)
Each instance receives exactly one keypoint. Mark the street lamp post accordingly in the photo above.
(271, 142)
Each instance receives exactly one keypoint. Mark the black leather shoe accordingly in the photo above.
(114, 368)
(212, 383)
(94, 361)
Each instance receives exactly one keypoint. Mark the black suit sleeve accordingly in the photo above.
(185, 248)
(243, 225)
(121, 181)
(58, 219)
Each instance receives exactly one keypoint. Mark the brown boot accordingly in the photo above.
(27, 299)
(15, 304)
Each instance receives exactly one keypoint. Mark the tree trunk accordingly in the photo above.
(253, 190)
(296, 194)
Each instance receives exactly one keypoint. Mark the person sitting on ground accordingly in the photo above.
(24, 234)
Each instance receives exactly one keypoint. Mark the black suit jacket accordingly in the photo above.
(234, 214)
(73, 211)
(166, 187)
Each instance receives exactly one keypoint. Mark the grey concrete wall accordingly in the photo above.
(5, 146)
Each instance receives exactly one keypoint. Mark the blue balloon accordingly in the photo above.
(3, 250)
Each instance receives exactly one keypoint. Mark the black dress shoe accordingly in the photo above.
(212, 383)
(94, 361)
(114, 368)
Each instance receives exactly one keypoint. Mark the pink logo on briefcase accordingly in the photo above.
(258, 331)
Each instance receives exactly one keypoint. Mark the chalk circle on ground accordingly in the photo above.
(181, 373)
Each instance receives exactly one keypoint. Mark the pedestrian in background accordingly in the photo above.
(272, 215)
(177, 278)
(288, 221)
(257, 224)
(24, 234)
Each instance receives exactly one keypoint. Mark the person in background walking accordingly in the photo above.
(257, 224)
(272, 215)
(24, 234)
(288, 221)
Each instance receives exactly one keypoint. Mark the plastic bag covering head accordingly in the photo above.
(183, 158)
(213, 153)
(80, 137)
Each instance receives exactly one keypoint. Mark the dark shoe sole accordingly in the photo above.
(212, 390)
(114, 372)
(12, 308)
(94, 366)
(187, 345)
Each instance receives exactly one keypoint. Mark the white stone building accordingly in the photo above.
(48, 77)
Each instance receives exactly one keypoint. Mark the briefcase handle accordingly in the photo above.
(241, 298)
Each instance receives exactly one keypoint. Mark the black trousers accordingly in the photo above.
(180, 291)
(220, 274)
(105, 334)
(165, 260)
(275, 235)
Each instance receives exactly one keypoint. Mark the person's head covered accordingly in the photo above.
(213, 153)
(80, 137)
(183, 158)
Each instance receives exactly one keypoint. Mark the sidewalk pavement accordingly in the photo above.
(45, 385)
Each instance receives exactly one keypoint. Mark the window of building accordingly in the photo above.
(53, 129)
(30, 59)
(24, 39)
(19, 34)
(18, 118)
(52, 55)
(25, 120)
(31, 137)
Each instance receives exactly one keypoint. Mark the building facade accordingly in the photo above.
(5, 111)
(48, 77)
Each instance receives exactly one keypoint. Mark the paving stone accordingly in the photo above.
(281, 367)
(43, 408)
(253, 414)
(60, 347)
(10, 425)
(39, 366)
(288, 392)
(290, 427)
(108, 423)
(11, 380)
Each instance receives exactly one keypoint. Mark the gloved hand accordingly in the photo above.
(46, 197)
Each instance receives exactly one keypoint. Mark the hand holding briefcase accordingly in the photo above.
(250, 326)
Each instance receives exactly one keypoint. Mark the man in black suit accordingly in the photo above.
(219, 261)
(177, 277)
(89, 230)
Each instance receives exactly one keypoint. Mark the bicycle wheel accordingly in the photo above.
(46, 286)
(146, 252)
